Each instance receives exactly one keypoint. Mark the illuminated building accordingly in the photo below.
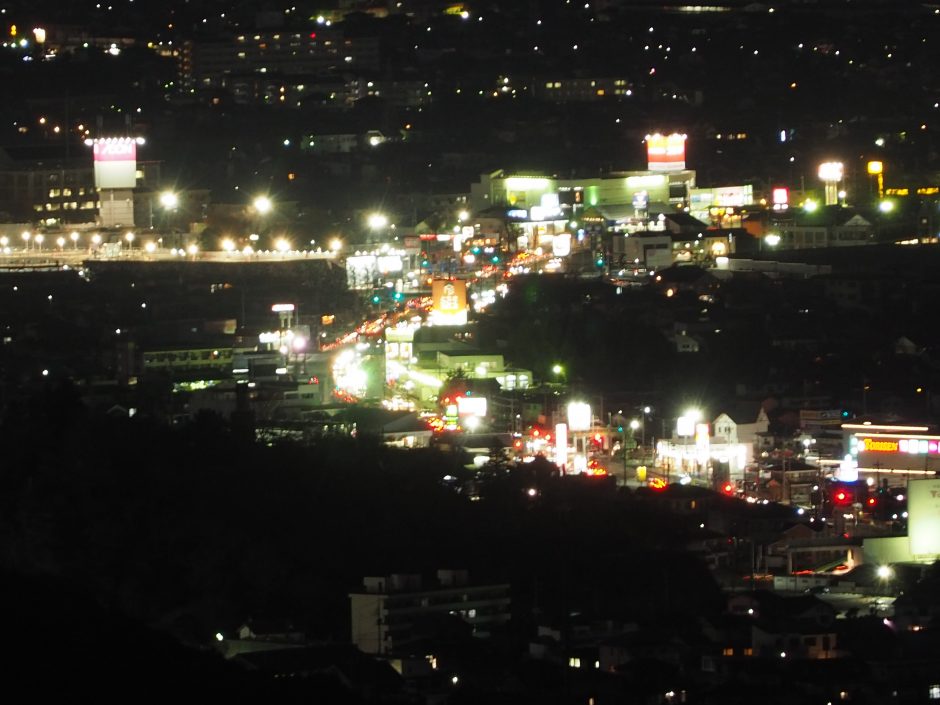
(62, 191)
(702, 452)
(569, 89)
(212, 65)
(518, 192)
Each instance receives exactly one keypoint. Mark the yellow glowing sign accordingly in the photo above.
(870, 444)
(875, 167)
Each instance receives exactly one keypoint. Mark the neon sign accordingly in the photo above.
(909, 446)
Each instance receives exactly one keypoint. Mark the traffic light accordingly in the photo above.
(599, 260)
(376, 298)
(846, 413)
(728, 488)
(843, 496)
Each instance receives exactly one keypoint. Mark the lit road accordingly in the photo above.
(49, 259)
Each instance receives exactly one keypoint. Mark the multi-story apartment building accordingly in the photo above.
(393, 612)
(212, 64)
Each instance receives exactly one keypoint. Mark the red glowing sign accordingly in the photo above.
(665, 152)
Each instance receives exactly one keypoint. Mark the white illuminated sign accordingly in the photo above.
(579, 416)
(923, 505)
(561, 445)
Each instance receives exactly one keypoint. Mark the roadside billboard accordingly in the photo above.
(115, 162)
(923, 505)
(449, 302)
(665, 152)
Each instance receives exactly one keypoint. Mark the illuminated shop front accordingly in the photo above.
(895, 452)
(694, 454)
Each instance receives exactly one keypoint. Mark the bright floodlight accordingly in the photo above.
(772, 239)
(885, 572)
(193, 249)
(557, 369)
(462, 216)
(809, 206)
(150, 247)
(886, 206)
(263, 205)
(169, 200)
(336, 244)
(282, 245)
(228, 245)
(377, 221)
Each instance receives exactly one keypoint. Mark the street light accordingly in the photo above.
(130, 240)
(73, 236)
(26, 235)
(336, 244)
(263, 205)
(39, 240)
(282, 245)
(377, 221)
(60, 241)
(169, 200)
(228, 245)
(96, 239)
(885, 572)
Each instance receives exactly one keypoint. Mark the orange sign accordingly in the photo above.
(449, 297)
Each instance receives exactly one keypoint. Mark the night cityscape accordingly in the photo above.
(452, 353)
